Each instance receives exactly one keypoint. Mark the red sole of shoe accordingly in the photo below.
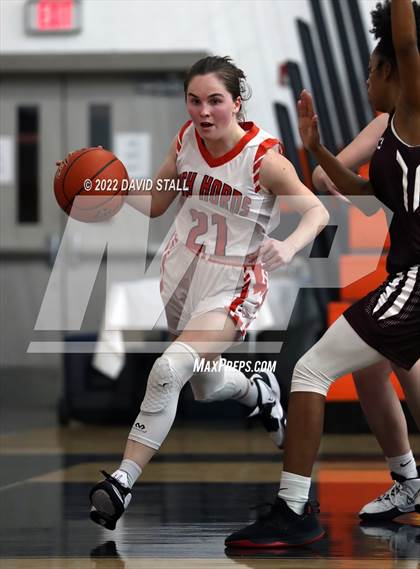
(252, 545)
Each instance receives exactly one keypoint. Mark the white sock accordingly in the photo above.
(294, 490)
(227, 383)
(404, 465)
(127, 473)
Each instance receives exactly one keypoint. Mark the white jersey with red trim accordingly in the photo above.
(223, 208)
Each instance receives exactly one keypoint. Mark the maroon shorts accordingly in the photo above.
(388, 318)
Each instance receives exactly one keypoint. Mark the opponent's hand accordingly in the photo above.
(308, 122)
(274, 254)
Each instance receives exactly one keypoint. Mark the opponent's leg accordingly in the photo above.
(376, 393)
(338, 352)
(292, 520)
(385, 416)
(410, 383)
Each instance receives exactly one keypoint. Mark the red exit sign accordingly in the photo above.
(53, 16)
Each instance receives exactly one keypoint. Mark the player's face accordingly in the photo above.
(376, 84)
(210, 106)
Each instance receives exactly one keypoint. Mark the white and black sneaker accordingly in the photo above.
(109, 500)
(403, 497)
(269, 408)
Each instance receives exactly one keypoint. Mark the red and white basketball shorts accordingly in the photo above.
(193, 284)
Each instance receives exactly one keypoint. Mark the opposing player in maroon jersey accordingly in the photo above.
(384, 325)
(377, 396)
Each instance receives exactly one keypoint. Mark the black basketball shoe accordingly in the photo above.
(281, 527)
(269, 408)
(109, 500)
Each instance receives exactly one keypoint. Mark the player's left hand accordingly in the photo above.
(274, 254)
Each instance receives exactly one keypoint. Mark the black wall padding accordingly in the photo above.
(295, 80)
(287, 137)
(359, 32)
(322, 108)
(349, 65)
(336, 89)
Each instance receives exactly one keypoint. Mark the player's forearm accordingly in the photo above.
(151, 200)
(356, 153)
(319, 176)
(404, 34)
(311, 224)
(140, 200)
(349, 183)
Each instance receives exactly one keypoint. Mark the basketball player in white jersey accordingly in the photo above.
(214, 269)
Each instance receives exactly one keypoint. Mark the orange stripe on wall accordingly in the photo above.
(368, 232)
(335, 310)
(351, 267)
(332, 475)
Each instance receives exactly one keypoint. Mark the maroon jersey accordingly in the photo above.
(388, 318)
(395, 177)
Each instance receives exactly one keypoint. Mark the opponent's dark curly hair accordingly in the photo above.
(382, 30)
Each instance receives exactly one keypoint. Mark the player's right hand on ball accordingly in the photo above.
(308, 122)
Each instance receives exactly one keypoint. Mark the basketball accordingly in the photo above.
(88, 184)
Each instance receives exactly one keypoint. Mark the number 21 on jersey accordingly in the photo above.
(201, 228)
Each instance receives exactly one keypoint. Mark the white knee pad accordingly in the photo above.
(228, 383)
(308, 377)
(168, 376)
(338, 352)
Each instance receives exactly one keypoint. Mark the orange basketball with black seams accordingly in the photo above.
(88, 184)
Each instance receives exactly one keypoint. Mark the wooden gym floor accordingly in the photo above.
(196, 491)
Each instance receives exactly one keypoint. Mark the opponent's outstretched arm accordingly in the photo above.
(405, 41)
(350, 184)
(357, 152)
